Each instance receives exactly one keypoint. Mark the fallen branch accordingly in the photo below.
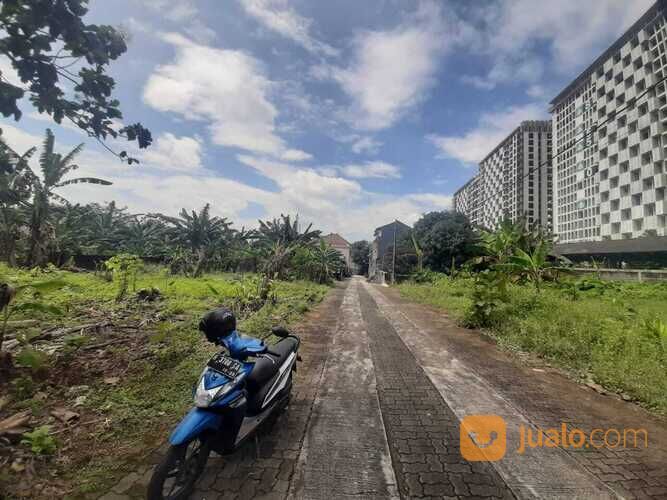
(71, 329)
(104, 344)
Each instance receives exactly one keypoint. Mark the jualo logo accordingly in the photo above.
(483, 438)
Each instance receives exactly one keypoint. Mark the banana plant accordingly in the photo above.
(533, 265)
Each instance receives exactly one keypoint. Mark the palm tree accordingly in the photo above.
(54, 167)
(325, 263)
(281, 238)
(286, 232)
(200, 233)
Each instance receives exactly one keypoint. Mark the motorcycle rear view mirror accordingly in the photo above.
(280, 331)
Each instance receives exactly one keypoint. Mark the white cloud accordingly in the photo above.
(366, 145)
(527, 69)
(574, 32)
(182, 10)
(295, 155)
(334, 204)
(492, 128)
(374, 169)
(227, 88)
(277, 16)
(391, 71)
(305, 188)
(174, 153)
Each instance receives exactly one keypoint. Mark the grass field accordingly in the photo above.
(128, 379)
(614, 333)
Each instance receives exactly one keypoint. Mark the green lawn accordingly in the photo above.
(156, 367)
(599, 331)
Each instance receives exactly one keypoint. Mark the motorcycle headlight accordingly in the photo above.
(204, 397)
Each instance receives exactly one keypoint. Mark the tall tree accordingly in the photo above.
(444, 237)
(54, 53)
(54, 167)
(360, 255)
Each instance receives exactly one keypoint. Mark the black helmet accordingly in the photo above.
(217, 324)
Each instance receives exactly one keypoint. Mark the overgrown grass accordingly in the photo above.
(598, 330)
(155, 392)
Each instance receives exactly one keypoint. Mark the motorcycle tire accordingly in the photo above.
(183, 469)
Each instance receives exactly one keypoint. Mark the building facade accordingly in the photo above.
(467, 200)
(381, 249)
(341, 245)
(514, 180)
(610, 127)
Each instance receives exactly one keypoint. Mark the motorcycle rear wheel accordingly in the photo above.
(175, 477)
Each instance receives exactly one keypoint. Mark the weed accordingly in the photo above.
(40, 441)
(614, 332)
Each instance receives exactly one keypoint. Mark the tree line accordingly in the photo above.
(39, 227)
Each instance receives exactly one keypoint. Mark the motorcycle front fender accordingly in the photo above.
(195, 423)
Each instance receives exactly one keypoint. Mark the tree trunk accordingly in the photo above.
(201, 258)
(39, 216)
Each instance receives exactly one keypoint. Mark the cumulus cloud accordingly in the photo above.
(391, 70)
(493, 127)
(279, 17)
(333, 203)
(574, 33)
(226, 88)
(373, 169)
(174, 153)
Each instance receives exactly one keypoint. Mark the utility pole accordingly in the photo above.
(393, 258)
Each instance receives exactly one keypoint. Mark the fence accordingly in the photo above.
(640, 275)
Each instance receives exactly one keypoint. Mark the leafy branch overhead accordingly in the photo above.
(62, 64)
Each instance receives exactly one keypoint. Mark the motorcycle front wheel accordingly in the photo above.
(175, 477)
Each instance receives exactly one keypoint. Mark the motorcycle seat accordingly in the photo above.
(267, 365)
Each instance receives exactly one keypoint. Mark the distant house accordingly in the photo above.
(381, 256)
(341, 245)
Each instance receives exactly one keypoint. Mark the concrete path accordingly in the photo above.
(376, 413)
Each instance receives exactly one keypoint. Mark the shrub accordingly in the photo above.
(125, 268)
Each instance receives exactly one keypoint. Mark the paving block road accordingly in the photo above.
(376, 413)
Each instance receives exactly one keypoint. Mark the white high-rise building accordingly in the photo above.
(610, 135)
(514, 180)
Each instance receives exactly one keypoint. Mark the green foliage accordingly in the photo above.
(322, 263)
(360, 255)
(426, 276)
(23, 387)
(32, 358)
(47, 44)
(442, 237)
(125, 268)
(612, 332)
(198, 237)
(40, 441)
(488, 294)
(10, 303)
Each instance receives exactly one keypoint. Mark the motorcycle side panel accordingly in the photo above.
(194, 423)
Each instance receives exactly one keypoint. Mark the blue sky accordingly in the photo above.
(348, 113)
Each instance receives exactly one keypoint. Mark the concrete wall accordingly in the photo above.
(622, 274)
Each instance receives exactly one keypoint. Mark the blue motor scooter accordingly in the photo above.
(236, 392)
